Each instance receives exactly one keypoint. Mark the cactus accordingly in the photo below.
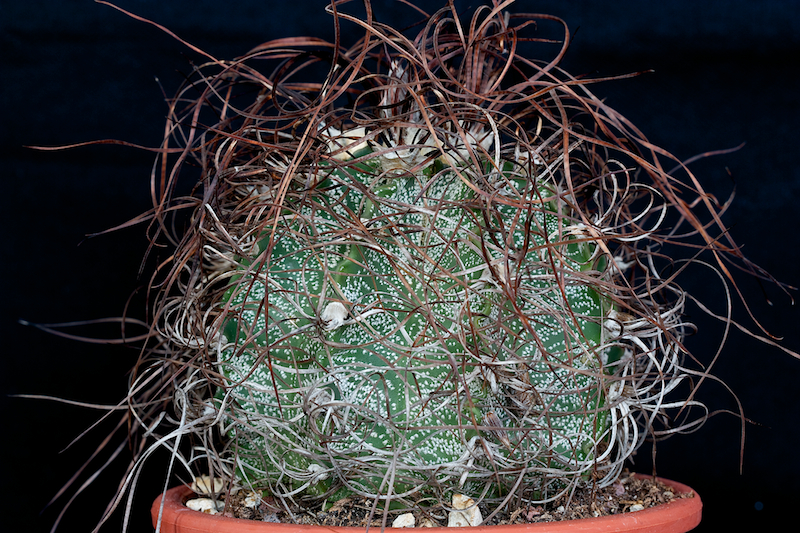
(417, 276)
(413, 317)
(433, 271)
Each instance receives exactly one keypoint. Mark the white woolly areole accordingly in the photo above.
(334, 315)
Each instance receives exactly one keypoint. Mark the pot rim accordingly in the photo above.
(677, 516)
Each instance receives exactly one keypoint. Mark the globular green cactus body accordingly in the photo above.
(414, 326)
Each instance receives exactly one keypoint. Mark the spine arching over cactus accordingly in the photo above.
(417, 266)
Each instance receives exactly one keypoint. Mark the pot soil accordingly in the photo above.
(681, 514)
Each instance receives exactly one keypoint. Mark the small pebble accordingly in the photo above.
(636, 507)
(207, 485)
(465, 512)
(251, 500)
(404, 520)
(205, 505)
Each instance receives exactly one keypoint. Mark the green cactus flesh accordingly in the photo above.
(424, 364)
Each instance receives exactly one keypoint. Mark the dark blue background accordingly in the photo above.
(726, 72)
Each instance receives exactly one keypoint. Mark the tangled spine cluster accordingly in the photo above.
(438, 269)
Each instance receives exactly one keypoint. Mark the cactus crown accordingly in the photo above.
(431, 266)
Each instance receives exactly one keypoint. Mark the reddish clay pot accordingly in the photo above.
(676, 517)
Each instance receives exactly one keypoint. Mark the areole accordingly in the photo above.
(678, 516)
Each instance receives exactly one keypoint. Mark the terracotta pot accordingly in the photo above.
(676, 517)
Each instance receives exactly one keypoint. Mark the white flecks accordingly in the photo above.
(404, 520)
(334, 315)
(205, 505)
(207, 485)
(465, 512)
